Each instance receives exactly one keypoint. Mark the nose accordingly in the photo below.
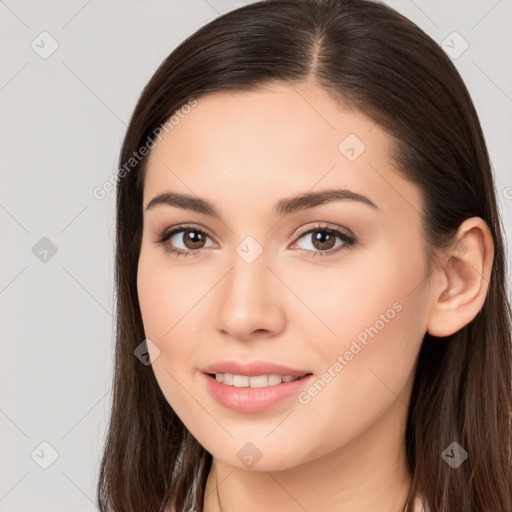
(250, 303)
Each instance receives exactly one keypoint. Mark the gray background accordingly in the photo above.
(62, 122)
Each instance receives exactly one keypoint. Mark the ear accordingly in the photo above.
(462, 279)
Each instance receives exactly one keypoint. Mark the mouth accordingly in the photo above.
(255, 381)
(254, 386)
(255, 393)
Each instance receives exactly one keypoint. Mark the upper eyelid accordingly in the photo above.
(191, 227)
(327, 227)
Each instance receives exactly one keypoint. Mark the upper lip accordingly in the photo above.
(253, 368)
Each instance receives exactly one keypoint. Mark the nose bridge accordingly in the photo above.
(249, 275)
(249, 299)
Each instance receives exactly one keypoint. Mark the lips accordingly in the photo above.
(258, 396)
(254, 399)
(251, 369)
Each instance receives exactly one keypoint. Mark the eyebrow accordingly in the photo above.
(283, 207)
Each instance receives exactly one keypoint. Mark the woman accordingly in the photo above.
(312, 312)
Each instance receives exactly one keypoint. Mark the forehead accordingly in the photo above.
(274, 141)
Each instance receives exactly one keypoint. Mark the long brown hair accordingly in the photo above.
(379, 62)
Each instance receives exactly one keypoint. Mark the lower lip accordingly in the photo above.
(253, 399)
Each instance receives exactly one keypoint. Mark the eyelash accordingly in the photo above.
(348, 240)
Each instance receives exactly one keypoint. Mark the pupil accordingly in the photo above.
(194, 238)
(321, 236)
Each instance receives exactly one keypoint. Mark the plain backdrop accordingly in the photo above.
(70, 75)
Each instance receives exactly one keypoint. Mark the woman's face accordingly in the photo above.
(268, 281)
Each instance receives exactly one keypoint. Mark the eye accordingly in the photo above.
(324, 238)
(191, 237)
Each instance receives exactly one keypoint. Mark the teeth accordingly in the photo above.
(258, 381)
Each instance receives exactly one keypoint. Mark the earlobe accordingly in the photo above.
(462, 279)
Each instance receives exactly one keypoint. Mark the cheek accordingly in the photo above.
(152, 300)
(167, 301)
(160, 310)
(163, 311)
(375, 316)
(381, 293)
(163, 294)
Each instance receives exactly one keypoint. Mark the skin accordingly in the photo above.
(243, 152)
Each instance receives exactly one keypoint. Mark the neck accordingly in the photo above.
(369, 473)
